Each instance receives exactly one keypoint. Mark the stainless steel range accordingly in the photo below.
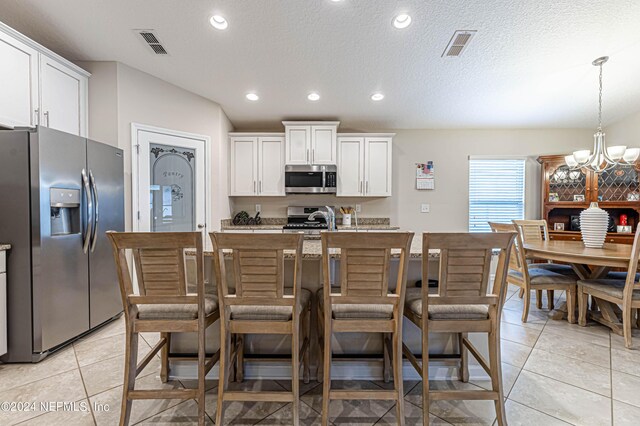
(298, 219)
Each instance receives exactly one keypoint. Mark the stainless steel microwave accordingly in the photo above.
(310, 179)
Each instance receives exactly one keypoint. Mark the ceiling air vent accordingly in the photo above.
(458, 43)
(149, 37)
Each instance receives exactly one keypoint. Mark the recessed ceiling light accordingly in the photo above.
(313, 96)
(377, 96)
(402, 21)
(219, 22)
(252, 97)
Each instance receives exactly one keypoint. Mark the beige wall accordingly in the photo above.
(624, 132)
(449, 149)
(120, 95)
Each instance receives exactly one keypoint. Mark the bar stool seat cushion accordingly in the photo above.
(357, 311)
(620, 276)
(268, 313)
(542, 277)
(187, 311)
(413, 303)
(555, 267)
(609, 287)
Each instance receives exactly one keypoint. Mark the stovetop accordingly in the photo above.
(306, 225)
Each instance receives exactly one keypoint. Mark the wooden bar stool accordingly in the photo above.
(463, 304)
(162, 305)
(364, 304)
(259, 304)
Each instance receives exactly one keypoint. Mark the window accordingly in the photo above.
(496, 192)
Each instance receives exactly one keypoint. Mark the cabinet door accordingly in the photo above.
(377, 167)
(350, 167)
(298, 145)
(243, 173)
(18, 83)
(323, 144)
(63, 102)
(271, 166)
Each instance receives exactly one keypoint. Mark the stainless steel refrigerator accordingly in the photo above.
(59, 193)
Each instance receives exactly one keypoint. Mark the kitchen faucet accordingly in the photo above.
(329, 217)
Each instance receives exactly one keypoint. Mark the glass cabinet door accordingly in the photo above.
(619, 184)
(567, 185)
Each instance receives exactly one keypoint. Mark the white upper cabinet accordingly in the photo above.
(377, 166)
(298, 149)
(312, 142)
(323, 144)
(271, 166)
(18, 82)
(257, 165)
(63, 97)
(39, 87)
(364, 165)
(243, 171)
(350, 166)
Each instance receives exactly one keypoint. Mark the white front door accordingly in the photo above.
(171, 183)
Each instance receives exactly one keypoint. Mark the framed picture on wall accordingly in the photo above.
(578, 197)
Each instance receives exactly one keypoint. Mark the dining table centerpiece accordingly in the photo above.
(594, 223)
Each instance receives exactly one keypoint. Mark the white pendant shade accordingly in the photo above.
(571, 162)
(582, 156)
(631, 155)
(616, 152)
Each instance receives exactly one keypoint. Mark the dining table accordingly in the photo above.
(588, 263)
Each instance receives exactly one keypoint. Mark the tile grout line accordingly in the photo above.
(84, 386)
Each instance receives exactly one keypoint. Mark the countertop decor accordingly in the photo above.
(4, 247)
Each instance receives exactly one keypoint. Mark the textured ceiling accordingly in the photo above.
(528, 66)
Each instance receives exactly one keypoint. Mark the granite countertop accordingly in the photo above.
(312, 249)
(276, 224)
(4, 247)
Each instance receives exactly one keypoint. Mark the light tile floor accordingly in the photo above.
(555, 373)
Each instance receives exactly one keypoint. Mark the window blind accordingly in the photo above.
(496, 192)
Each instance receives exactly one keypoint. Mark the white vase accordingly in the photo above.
(594, 223)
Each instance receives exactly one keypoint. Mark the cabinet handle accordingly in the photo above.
(313, 156)
(46, 115)
(307, 155)
(260, 186)
(37, 113)
(254, 186)
(366, 188)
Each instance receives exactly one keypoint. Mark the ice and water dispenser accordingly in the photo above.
(65, 211)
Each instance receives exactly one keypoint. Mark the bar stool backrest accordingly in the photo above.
(532, 230)
(515, 259)
(257, 267)
(465, 263)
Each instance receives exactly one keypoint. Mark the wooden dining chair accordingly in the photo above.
(364, 303)
(464, 303)
(162, 304)
(532, 277)
(623, 292)
(259, 303)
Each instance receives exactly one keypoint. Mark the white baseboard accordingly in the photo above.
(341, 370)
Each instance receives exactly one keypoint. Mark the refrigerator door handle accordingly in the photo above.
(87, 195)
(94, 189)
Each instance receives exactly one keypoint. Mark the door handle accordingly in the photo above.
(87, 195)
(94, 189)
(37, 116)
(46, 115)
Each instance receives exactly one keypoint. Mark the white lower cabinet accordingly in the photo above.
(257, 165)
(364, 165)
(39, 87)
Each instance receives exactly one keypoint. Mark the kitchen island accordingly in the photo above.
(367, 348)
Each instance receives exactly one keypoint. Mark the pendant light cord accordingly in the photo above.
(600, 103)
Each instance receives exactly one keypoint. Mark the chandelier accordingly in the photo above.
(602, 158)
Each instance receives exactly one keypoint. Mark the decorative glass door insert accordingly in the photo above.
(172, 188)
